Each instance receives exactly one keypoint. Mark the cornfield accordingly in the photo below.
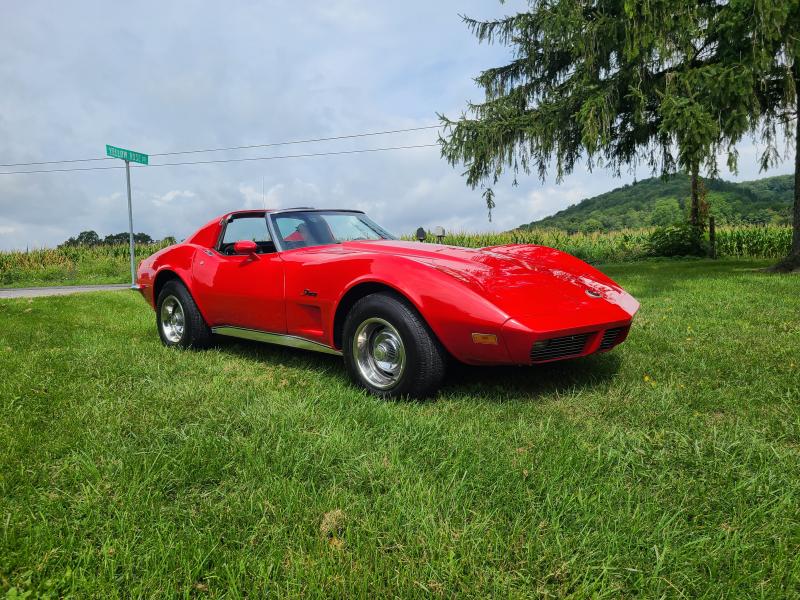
(632, 244)
(762, 242)
(610, 246)
(70, 264)
(109, 263)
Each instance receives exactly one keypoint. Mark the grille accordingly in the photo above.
(561, 347)
(610, 337)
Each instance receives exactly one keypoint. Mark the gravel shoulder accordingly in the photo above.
(61, 290)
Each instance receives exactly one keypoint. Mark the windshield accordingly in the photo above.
(302, 229)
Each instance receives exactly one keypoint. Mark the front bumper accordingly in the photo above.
(528, 347)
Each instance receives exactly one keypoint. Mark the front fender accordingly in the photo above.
(452, 308)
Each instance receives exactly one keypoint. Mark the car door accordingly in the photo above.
(242, 290)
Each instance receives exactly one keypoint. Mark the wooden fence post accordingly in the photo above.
(712, 238)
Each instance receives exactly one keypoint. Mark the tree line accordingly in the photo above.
(91, 238)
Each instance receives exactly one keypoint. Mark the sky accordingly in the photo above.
(170, 76)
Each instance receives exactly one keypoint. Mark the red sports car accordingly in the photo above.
(335, 282)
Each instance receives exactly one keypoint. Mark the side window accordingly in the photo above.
(247, 228)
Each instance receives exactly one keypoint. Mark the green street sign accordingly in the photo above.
(129, 155)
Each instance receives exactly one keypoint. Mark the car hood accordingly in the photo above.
(522, 280)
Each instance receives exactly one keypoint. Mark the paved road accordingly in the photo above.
(61, 290)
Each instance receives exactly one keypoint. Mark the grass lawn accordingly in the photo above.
(667, 468)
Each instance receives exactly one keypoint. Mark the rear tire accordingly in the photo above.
(390, 350)
(178, 319)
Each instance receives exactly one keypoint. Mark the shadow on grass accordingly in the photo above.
(284, 356)
(526, 382)
(480, 383)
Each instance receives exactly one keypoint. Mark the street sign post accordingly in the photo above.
(129, 156)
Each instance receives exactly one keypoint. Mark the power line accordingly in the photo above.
(322, 139)
(223, 160)
(247, 147)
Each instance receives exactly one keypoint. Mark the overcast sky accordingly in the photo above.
(169, 76)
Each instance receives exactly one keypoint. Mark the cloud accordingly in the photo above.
(252, 197)
(171, 196)
(168, 77)
(281, 195)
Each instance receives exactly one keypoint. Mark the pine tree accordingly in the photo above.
(666, 83)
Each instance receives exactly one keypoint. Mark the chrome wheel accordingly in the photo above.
(379, 352)
(172, 319)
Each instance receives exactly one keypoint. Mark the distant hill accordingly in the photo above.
(661, 202)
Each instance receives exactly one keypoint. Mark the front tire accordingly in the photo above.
(389, 349)
(178, 319)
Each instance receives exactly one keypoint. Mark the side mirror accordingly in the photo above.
(245, 247)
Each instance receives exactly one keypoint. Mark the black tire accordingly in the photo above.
(424, 356)
(194, 333)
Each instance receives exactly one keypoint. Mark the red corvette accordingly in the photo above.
(335, 282)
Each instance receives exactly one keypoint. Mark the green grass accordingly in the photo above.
(667, 468)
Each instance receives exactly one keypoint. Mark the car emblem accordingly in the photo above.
(592, 293)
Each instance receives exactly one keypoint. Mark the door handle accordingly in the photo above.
(308, 292)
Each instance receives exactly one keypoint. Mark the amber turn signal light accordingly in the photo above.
(485, 338)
